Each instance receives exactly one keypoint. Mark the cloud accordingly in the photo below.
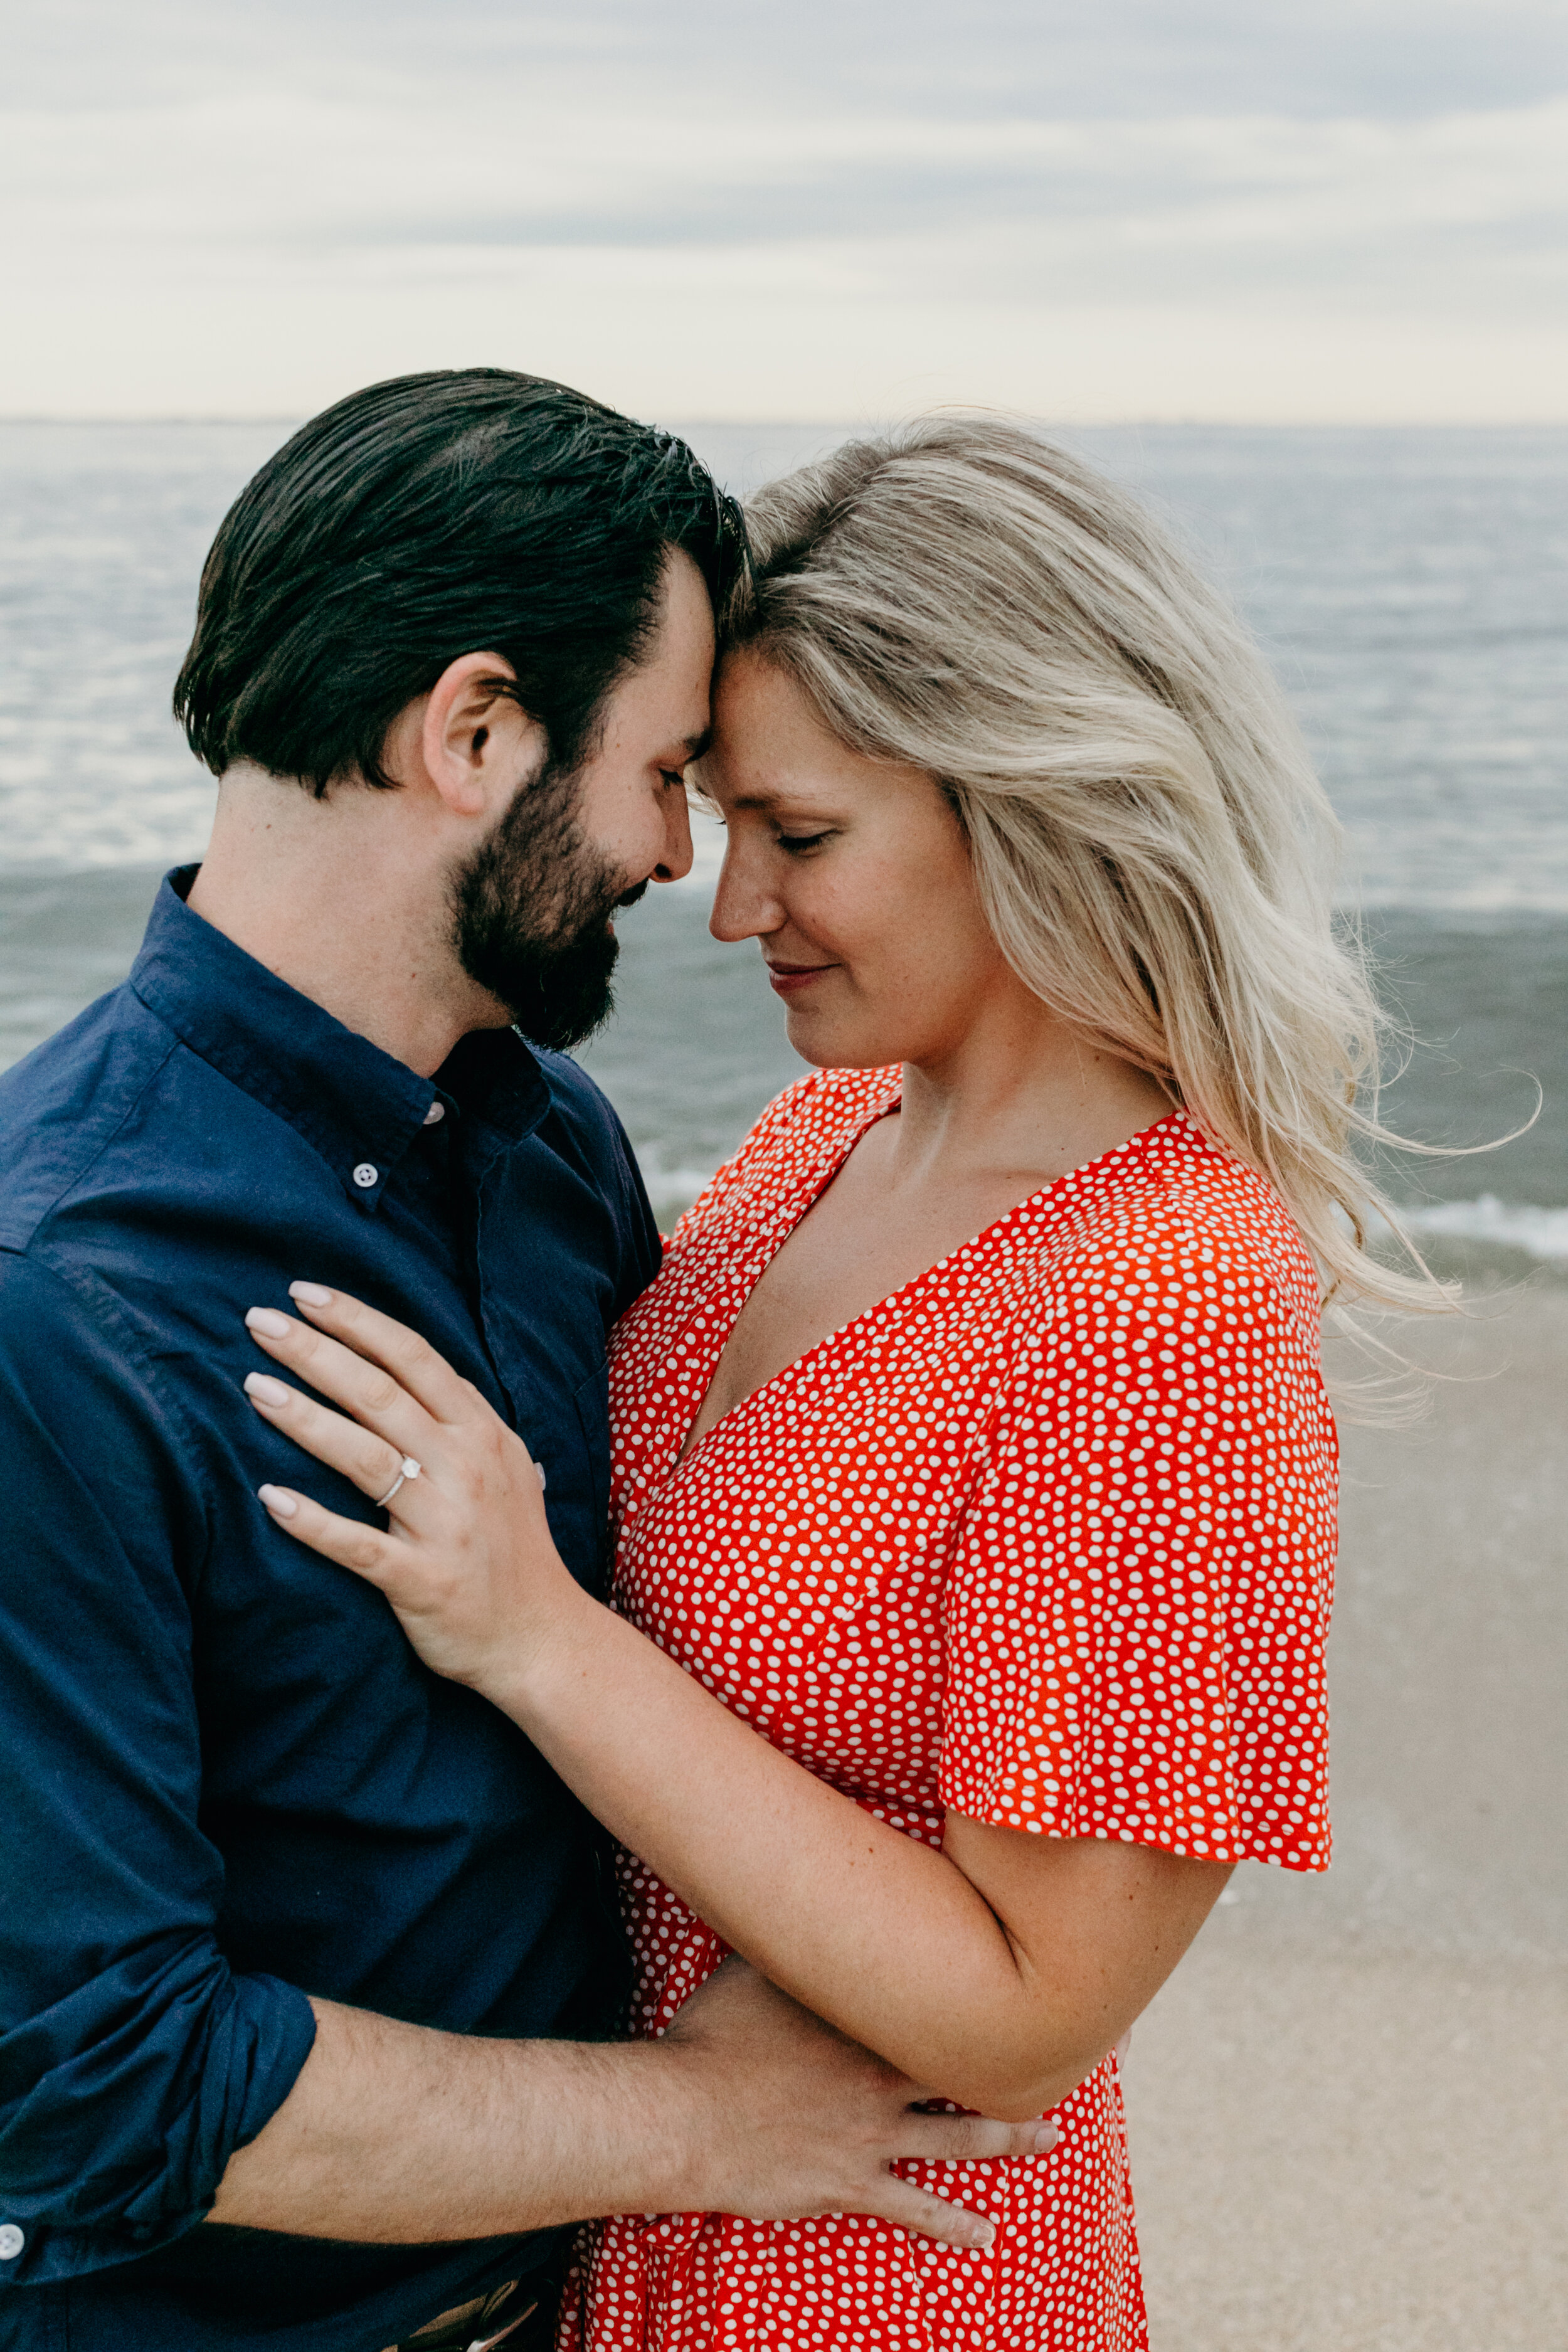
(702, 62)
(240, 209)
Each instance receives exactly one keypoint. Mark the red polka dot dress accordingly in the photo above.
(1047, 1537)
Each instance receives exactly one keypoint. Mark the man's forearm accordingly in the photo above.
(394, 2134)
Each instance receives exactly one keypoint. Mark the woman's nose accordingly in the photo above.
(742, 909)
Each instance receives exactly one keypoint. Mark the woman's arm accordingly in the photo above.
(1007, 1965)
(1003, 1967)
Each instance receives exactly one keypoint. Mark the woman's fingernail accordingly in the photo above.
(310, 1294)
(1046, 2138)
(282, 1506)
(984, 2236)
(268, 1322)
(266, 1390)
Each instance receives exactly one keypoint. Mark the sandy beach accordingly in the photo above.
(1348, 2108)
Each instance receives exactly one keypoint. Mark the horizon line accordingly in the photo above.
(1065, 424)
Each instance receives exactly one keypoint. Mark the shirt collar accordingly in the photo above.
(358, 1107)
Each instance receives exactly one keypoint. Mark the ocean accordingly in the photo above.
(1411, 587)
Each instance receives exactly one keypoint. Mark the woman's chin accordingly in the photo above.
(836, 1045)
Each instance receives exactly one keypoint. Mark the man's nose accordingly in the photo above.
(676, 863)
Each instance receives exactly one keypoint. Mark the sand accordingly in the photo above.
(1353, 2153)
(1348, 2108)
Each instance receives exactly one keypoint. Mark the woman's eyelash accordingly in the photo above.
(803, 840)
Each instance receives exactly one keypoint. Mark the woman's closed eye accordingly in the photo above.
(798, 843)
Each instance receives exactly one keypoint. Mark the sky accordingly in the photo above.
(1289, 211)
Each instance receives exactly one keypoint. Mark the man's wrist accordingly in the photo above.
(666, 2126)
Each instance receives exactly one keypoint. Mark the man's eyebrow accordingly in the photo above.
(697, 744)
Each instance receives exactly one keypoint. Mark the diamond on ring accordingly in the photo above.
(410, 1469)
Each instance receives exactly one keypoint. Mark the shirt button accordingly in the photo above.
(365, 1175)
(12, 2241)
(436, 1114)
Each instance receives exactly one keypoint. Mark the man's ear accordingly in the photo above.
(476, 741)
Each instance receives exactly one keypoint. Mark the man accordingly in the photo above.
(302, 1944)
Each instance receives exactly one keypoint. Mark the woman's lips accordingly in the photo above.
(789, 978)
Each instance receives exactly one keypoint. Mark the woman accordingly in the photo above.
(971, 1448)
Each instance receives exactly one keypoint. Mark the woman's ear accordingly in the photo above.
(477, 743)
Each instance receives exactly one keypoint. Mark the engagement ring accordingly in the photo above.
(410, 1470)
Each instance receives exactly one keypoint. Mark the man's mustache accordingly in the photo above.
(630, 898)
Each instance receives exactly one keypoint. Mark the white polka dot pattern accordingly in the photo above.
(1045, 1537)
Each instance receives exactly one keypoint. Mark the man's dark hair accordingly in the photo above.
(468, 511)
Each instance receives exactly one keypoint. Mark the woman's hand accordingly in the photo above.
(469, 1563)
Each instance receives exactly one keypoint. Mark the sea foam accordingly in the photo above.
(1541, 1233)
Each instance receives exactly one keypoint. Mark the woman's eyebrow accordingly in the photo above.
(771, 797)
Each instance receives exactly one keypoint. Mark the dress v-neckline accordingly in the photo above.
(691, 1447)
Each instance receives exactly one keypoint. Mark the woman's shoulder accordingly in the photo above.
(822, 1107)
(808, 1124)
(1169, 1216)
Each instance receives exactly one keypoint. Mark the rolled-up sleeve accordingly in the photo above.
(133, 2061)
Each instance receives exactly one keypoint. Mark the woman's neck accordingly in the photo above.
(1020, 1097)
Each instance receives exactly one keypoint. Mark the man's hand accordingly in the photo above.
(807, 2122)
(395, 2135)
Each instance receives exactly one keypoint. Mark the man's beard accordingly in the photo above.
(531, 916)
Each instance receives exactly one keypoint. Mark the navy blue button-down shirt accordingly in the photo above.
(227, 1781)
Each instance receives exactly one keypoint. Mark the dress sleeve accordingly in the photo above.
(810, 1115)
(1139, 1601)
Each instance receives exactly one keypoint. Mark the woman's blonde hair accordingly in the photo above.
(1153, 850)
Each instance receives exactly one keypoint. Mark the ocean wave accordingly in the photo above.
(674, 1188)
(1540, 1233)
(1512, 1224)
(1504, 896)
